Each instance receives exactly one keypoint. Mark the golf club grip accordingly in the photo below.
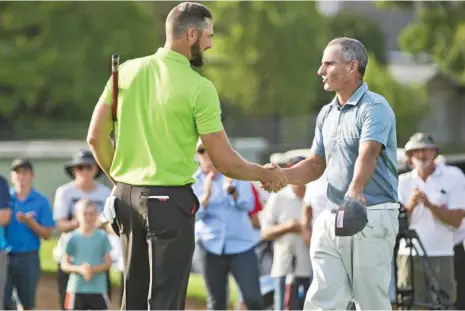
(114, 75)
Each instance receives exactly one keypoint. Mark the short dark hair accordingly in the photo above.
(351, 50)
(187, 15)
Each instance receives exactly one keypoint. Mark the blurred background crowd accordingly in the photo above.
(265, 55)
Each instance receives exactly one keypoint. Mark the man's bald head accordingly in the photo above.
(184, 16)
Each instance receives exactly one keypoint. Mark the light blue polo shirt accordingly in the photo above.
(338, 134)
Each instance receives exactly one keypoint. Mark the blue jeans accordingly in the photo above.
(244, 268)
(296, 295)
(23, 274)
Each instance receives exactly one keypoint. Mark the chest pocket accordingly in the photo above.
(439, 197)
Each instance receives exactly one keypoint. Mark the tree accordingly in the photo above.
(351, 25)
(439, 31)
(56, 55)
(266, 55)
(408, 102)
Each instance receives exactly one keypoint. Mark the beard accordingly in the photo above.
(421, 163)
(197, 57)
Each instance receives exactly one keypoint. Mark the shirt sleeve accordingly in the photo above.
(308, 195)
(46, 215)
(402, 190)
(4, 194)
(318, 146)
(269, 214)
(245, 199)
(376, 124)
(61, 205)
(107, 244)
(457, 194)
(207, 110)
(69, 246)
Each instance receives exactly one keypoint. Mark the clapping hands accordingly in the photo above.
(275, 178)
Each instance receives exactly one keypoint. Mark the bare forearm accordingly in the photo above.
(237, 167)
(363, 172)
(103, 152)
(70, 268)
(274, 232)
(40, 230)
(66, 225)
(5, 216)
(450, 217)
(101, 268)
(305, 171)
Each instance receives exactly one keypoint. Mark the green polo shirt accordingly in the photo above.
(163, 106)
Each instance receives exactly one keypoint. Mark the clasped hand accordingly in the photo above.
(274, 179)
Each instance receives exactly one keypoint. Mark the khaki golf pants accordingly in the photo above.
(354, 268)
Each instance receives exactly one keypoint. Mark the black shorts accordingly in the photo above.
(77, 301)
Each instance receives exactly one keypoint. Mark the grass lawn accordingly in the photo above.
(196, 289)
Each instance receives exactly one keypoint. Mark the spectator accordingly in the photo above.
(87, 258)
(281, 223)
(433, 194)
(83, 170)
(258, 207)
(31, 221)
(225, 235)
(5, 216)
(315, 201)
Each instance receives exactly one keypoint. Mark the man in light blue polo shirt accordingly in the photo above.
(31, 221)
(355, 140)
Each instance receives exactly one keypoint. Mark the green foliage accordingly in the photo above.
(365, 30)
(267, 56)
(56, 55)
(439, 30)
(408, 102)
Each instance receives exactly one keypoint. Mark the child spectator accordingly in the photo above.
(87, 259)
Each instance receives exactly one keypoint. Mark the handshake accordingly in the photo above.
(274, 178)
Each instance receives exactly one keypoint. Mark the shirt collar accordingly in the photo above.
(355, 98)
(438, 170)
(31, 195)
(164, 53)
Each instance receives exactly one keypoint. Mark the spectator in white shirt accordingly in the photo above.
(281, 223)
(434, 196)
(315, 201)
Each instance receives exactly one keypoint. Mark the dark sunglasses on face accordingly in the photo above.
(201, 150)
(83, 167)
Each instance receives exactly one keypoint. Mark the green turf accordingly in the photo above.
(196, 289)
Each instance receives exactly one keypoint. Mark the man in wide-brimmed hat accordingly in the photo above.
(434, 195)
(84, 171)
(83, 162)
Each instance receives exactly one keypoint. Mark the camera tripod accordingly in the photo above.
(405, 295)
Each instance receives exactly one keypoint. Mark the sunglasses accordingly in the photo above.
(201, 150)
(83, 167)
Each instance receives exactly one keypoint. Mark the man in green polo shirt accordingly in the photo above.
(163, 108)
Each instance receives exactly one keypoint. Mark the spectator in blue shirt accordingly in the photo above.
(225, 235)
(31, 221)
(5, 215)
